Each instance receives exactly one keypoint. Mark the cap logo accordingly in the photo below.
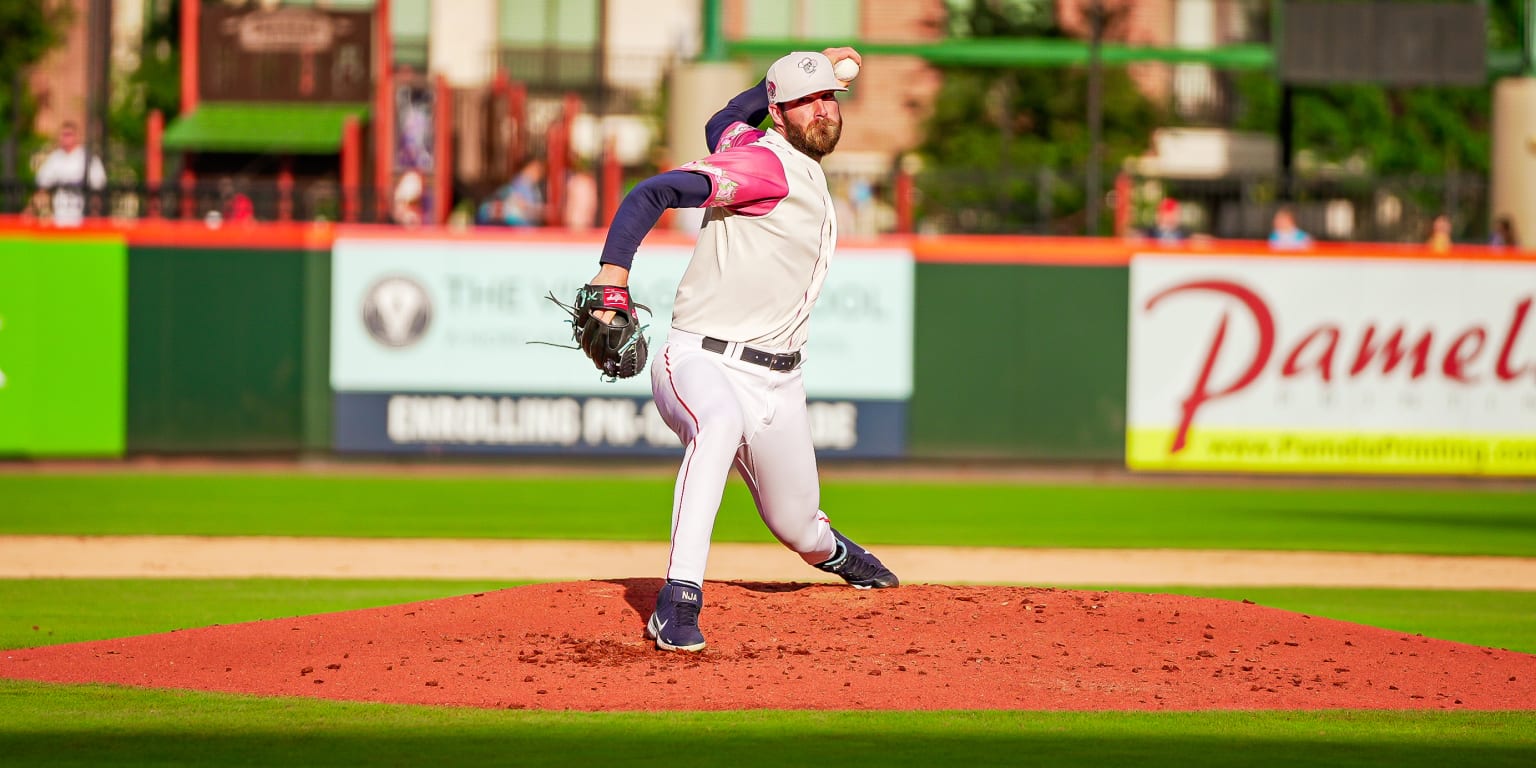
(808, 64)
(772, 89)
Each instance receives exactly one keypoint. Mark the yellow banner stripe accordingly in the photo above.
(1323, 451)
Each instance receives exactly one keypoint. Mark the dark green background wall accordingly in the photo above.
(229, 350)
(1019, 361)
(226, 348)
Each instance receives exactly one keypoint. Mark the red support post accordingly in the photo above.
(1122, 204)
(383, 111)
(191, 11)
(285, 190)
(351, 167)
(613, 177)
(904, 193)
(188, 194)
(554, 177)
(154, 161)
(442, 153)
(518, 107)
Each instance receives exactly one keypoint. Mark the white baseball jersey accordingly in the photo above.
(65, 173)
(767, 240)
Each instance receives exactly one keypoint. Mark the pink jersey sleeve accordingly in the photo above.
(745, 178)
(738, 134)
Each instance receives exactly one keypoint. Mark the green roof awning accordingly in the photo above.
(300, 129)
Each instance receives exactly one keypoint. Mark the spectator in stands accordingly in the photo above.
(519, 202)
(410, 199)
(1285, 235)
(1167, 228)
(237, 206)
(1440, 234)
(64, 173)
(1504, 233)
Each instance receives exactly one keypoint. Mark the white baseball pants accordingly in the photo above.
(728, 411)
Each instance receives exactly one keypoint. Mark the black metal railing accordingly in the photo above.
(1344, 208)
(213, 202)
(1018, 201)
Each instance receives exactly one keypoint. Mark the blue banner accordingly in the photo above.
(458, 423)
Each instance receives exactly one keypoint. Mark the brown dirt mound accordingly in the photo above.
(802, 646)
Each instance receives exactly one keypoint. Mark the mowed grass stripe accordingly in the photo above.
(1456, 521)
(60, 725)
(37, 612)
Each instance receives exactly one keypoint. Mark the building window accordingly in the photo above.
(549, 44)
(812, 19)
(410, 26)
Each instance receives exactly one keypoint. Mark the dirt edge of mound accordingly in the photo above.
(783, 645)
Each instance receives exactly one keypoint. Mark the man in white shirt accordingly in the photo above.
(63, 173)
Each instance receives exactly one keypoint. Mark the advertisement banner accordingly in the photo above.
(465, 327)
(63, 346)
(546, 424)
(1355, 365)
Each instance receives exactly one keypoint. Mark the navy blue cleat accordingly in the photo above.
(857, 566)
(675, 624)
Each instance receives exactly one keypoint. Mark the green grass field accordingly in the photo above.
(96, 725)
(99, 726)
(1450, 522)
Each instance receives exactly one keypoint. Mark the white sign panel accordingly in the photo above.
(1324, 364)
(467, 316)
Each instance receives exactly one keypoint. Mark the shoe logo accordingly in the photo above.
(661, 626)
(692, 597)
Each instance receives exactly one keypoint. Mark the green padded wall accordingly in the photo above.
(217, 350)
(1019, 361)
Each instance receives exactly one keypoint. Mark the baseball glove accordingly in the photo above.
(618, 348)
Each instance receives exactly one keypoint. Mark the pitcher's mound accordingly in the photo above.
(800, 646)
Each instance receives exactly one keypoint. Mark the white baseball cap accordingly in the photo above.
(801, 73)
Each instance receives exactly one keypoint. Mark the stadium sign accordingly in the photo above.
(544, 424)
(1309, 364)
(444, 346)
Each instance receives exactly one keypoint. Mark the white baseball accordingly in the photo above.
(846, 69)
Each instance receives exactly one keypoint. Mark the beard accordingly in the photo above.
(816, 140)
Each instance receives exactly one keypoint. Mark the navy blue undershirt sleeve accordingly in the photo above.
(644, 205)
(749, 106)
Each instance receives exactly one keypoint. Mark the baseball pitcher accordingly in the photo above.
(728, 380)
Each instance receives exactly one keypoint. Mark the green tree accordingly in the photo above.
(1005, 148)
(29, 30)
(1423, 141)
(155, 84)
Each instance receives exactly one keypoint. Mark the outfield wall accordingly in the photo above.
(228, 341)
(259, 341)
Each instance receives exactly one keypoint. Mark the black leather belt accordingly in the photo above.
(756, 356)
